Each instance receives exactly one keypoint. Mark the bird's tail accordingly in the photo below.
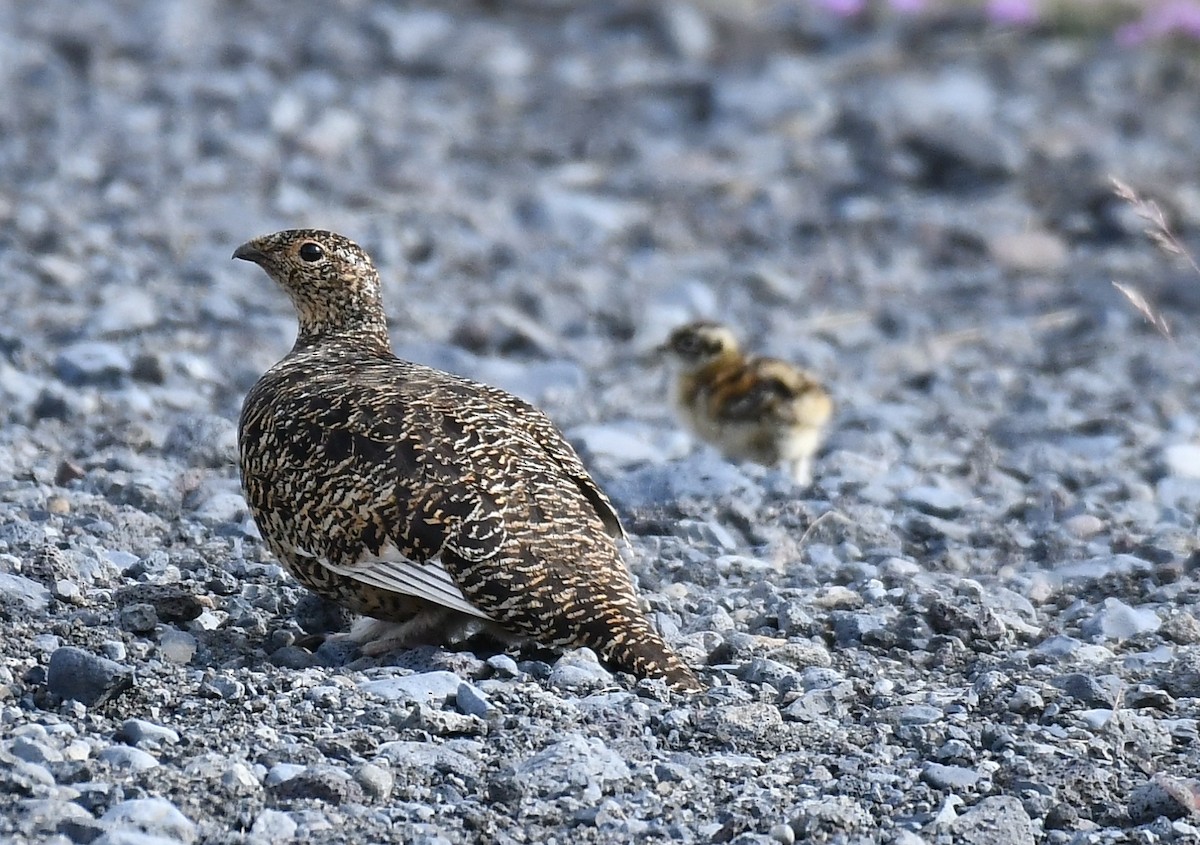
(638, 649)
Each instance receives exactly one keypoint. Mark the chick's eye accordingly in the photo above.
(311, 252)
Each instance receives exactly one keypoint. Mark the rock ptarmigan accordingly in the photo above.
(425, 501)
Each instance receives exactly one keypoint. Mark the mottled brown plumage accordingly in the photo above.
(751, 408)
(419, 498)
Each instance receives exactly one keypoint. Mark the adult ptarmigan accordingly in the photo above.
(421, 499)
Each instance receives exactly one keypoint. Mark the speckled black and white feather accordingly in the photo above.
(420, 498)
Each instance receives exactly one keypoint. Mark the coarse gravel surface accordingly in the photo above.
(979, 625)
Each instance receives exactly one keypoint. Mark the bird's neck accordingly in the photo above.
(359, 331)
(727, 359)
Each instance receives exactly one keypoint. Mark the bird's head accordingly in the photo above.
(329, 279)
(700, 343)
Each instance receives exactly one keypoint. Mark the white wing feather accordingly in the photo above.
(390, 570)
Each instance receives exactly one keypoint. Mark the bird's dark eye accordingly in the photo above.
(311, 252)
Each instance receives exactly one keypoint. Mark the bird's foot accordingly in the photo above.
(377, 636)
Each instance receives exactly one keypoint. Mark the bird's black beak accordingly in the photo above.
(654, 356)
(249, 251)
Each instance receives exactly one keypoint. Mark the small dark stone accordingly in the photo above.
(51, 406)
(317, 615)
(149, 368)
(293, 657)
(323, 783)
(1090, 690)
(92, 362)
(76, 674)
(1061, 816)
(140, 617)
(172, 603)
(67, 472)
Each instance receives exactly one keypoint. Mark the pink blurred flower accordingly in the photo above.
(1013, 12)
(845, 8)
(1177, 17)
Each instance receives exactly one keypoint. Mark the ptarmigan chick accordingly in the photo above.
(750, 408)
(426, 501)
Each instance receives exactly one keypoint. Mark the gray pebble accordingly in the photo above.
(818, 704)
(783, 834)
(203, 440)
(93, 362)
(1091, 690)
(281, 772)
(46, 642)
(318, 615)
(625, 443)
(1148, 696)
(761, 670)
(1183, 460)
(819, 817)
(427, 758)
(293, 657)
(426, 687)
(577, 765)
(1160, 796)
(239, 779)
(708, 533)
(936, 501)
(323, 783)
(142, 733)
(795, 619)
(74, 673)
(376, 781)
(134, 837)
(125, 309)
(336, 651)
(1118, 621)
(503, 666)
(218, 502)
(229, 689)
(139, 618)
(1059, 646)
(1182, 494)
(41, 817)
(30, 594)
(438, 722)
(849, 627)
(67, 591)
(30, 776)
(912, 714)
(33, 751)
(1026, 699)
(155, 815)
(178, 647)
(951, 778)
(126, 758)
(700, 476)
(738, 723)
(172, 602)
(579, 669)
(272, 826)
(998, 820)
(472, 702)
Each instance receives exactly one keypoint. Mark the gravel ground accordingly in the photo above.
(978, 626)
